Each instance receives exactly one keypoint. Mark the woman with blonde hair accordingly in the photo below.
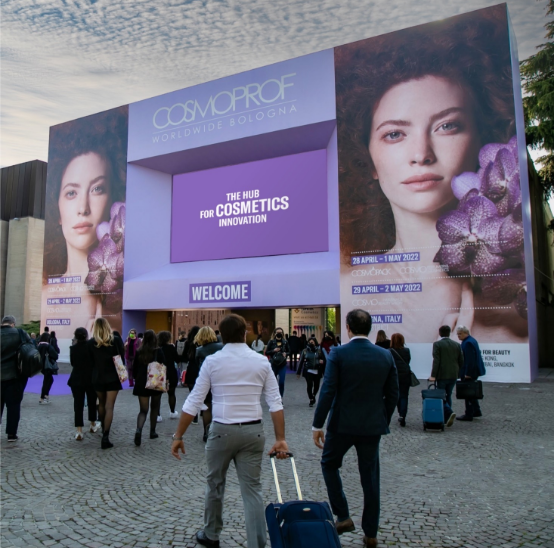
(103, 347)
(207, 342)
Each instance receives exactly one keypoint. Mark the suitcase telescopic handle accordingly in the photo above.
(295, 474)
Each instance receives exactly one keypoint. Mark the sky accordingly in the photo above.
(64, 59)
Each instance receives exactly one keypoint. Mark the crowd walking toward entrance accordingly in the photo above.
(359, 384)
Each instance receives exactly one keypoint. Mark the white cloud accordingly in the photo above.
(63, 59)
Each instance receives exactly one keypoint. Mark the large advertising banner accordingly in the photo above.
(270, 207)
(85, 224)
(431, 222)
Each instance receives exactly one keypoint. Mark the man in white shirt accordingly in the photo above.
(237, 377)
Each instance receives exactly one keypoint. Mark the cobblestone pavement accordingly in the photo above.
(483, 484)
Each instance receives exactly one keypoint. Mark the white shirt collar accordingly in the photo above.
(359, 337)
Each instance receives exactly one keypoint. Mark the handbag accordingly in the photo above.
(156, 377)
(120, 368)
(414, 381)
(50, 365)
(278, 360)
(469, 390)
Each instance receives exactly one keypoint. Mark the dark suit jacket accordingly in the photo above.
(473, 361)
(447, 360)
(360, 389)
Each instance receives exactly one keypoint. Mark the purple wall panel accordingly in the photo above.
(270, 207)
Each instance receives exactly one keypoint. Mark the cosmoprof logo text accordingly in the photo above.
(243, 97)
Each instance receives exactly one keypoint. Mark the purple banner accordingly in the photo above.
(270, 207)
(288, 94)
(221, 292)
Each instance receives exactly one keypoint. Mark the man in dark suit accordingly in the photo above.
(447, 362)
(360, 389)
(294, 346)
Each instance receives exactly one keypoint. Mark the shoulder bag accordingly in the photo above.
(414, 381)
(119, 367)
(156, 376)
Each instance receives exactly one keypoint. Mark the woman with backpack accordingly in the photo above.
(103, 348)
(170, 359)
(311, 367)
(49, 358)
(146, 354)
(402, 358)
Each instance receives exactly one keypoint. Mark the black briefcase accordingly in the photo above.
(469, 390)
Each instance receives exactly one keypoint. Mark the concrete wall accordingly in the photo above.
(23, 282)
(4, 228)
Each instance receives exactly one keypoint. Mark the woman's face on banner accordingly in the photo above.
(84, 200)
(423, 133)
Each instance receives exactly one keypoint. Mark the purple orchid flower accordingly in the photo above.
(500, 182)
(510, 286)
(488, 153)
(117, 228)
(464, 183)
(102, 230)
(470, 242)
(105, 268)
(510, 235)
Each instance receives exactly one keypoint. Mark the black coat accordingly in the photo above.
(402, 358)
(82, 364)
(310, 360)
(202, 352)
(104, 371)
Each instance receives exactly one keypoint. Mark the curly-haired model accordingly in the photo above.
(462, 64)
(87, 163)
(414, 108)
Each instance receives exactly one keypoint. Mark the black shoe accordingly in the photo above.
(12, 437)
(464, 418)
(205, 438)
(478, 415)
(312, 402)
(106, 444)
(138, 437)
(402, 421)
(204, 540)
(153, 435)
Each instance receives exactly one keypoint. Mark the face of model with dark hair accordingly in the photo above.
(423, 133)
(84, 201)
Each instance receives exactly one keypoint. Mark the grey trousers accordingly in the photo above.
(244, 445)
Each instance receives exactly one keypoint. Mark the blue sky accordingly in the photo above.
(63, 59)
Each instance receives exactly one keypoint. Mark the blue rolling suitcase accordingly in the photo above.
(433, 408)
(299, 523)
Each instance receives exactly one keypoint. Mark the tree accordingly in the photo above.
(537, 79)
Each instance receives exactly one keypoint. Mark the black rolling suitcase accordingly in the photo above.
(299, 523)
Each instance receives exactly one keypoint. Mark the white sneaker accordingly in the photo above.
(174, 415)
(98, 424)
(94, 427)
(159, 418)
(79, 436)
(43, 402)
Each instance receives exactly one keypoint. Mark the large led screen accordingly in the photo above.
(276, 206)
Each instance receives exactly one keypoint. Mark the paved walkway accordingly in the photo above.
(483, 484)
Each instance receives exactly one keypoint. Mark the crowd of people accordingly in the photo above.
(363, 383)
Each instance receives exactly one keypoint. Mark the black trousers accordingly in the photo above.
(79, 393)
(293, 361)
(11, 396)
(367, 448)
(47, 383)
(312, 382)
